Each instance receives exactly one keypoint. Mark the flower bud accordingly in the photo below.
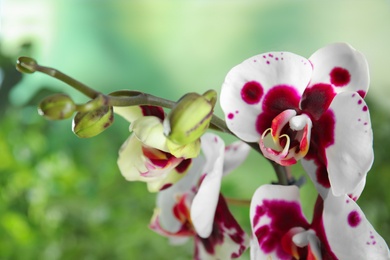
(91, 123)
(26, 65)
(190, 118)
(57, 107)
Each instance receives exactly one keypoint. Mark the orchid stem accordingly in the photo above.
(238, 202)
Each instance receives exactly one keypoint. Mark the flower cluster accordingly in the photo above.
(287, 107)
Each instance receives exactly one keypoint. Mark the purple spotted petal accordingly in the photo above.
(341, 66)
(227, 239)
(205, 202)
(351, 155)
(260, 88)
(349, 233)
(274, 211)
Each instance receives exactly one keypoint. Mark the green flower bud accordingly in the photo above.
(26, 65)
(91, 123)
(57, 107)
(190, 118)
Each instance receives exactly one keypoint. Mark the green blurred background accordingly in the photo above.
(62, 197)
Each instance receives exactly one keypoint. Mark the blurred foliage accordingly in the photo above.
(62, 197)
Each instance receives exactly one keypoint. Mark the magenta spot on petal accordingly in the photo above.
(276, 58)
(264, 56)
(252, 92)
(270, 235)
(339, 77)
(236, 112)
(282, 59)
(365, 123)
(166, 186)
(230, 116)
(354, 218)
(317, 99)
(353, 95)
(362, 93)
(254, 60)
(183, 166)
(322, 135)
(359, 119)
(260, 211)
(152, 111)
(360, 102)
(271, 55)
(365, 108)
(267, 62)
(277, 99)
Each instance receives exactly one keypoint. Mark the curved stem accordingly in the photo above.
(237, 202)
(89, 92)
(281, 173)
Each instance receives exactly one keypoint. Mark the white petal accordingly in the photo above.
(318, 176)
(166, 199)
(129, 113)
(349, 233)
(351, 155)
(227, 239)
(342, 66)
(149, 130)
(131, 161)
(205, 202)
(246, 87)
(235, 154)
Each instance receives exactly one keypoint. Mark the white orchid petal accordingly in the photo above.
(349, 234)
(166, 199)
(129, 113)
(235, 154)
(205, 202)
(149, 130)
(318, 174)
(342, 66)
(131, 161)
(351, 155)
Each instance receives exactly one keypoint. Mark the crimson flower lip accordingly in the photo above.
(310, 110)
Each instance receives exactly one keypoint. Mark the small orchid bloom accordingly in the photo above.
(194, 207)
(339, 229)
(145, 155)
(311, 109)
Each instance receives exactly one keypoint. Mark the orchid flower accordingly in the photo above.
(145, 155)
(311, 109)
(339, 229)
(194, 207)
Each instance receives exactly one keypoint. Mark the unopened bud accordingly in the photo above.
(91, 123)
(26, 65)
(190, 118)
(57, 107)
